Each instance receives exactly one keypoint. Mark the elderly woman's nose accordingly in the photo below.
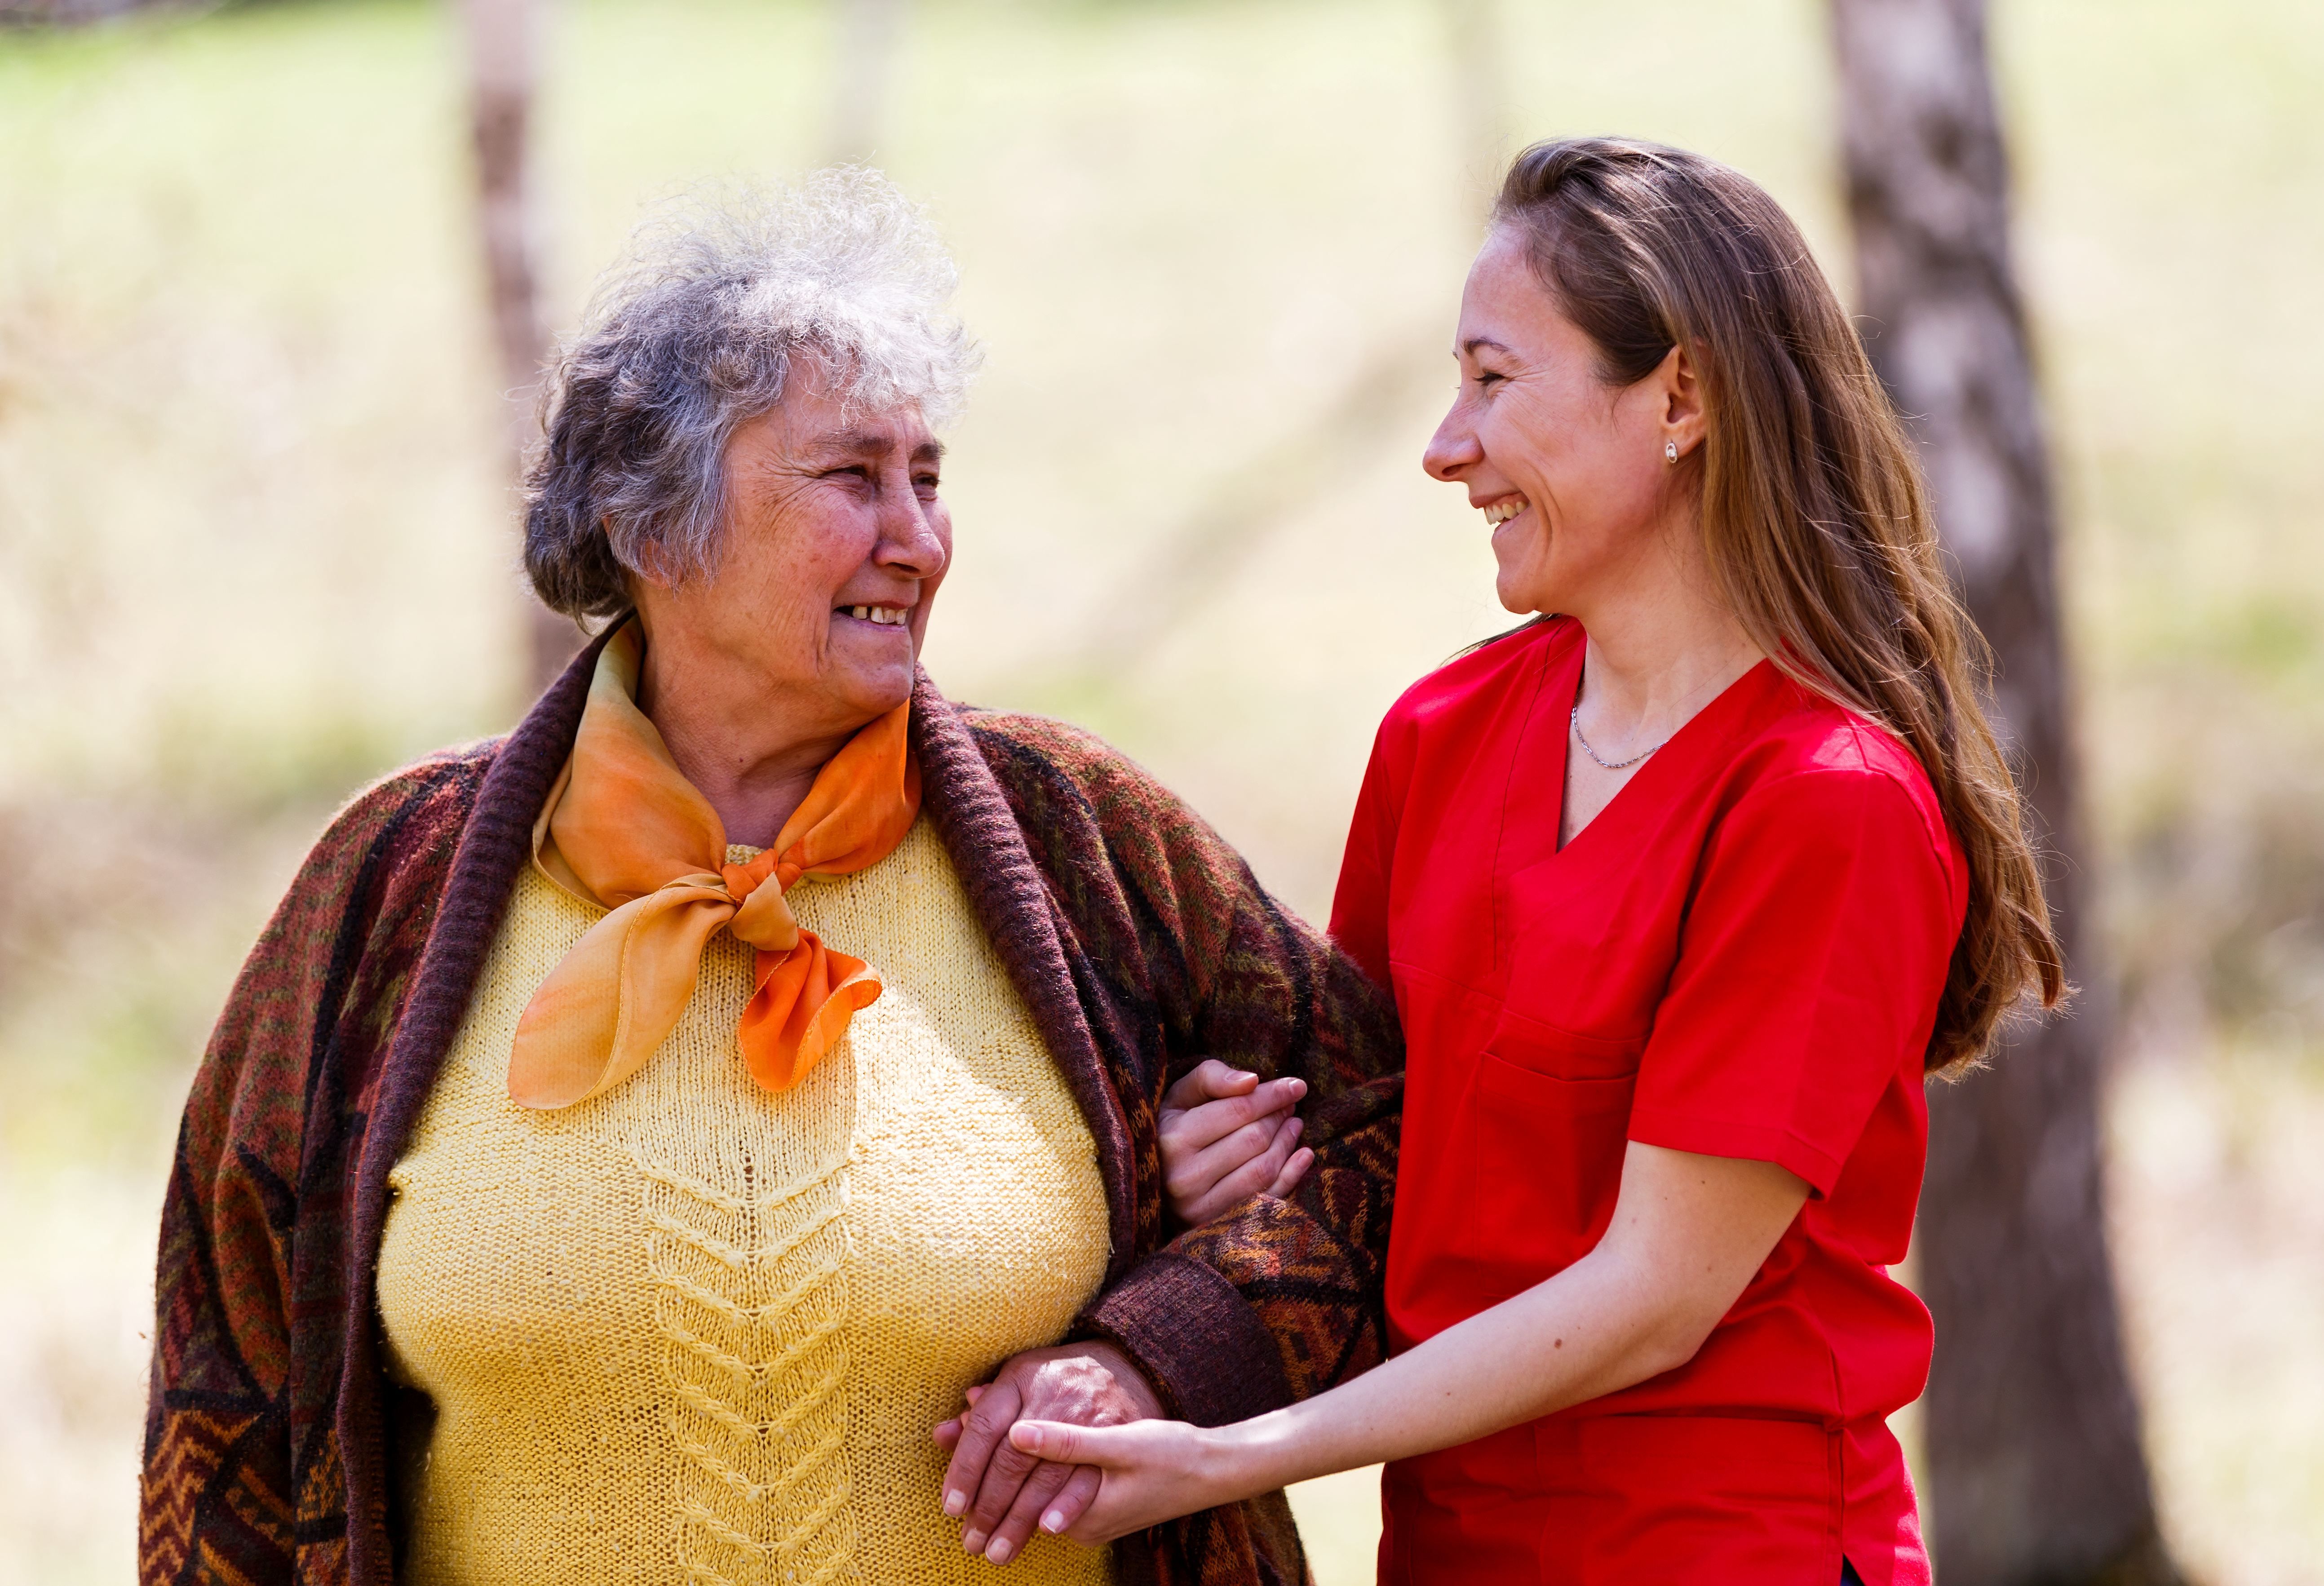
(909, 539)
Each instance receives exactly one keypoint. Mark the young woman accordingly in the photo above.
(1681, 890)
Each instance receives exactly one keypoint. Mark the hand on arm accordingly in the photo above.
(1688, 1233)
(1226, 1137)
(999, 1491)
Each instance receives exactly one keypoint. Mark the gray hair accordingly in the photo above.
(697, 330)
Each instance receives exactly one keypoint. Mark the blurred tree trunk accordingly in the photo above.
(1479, 52)
(1254, 500)
(505, 38)
(869, 33)
(2033, 1426)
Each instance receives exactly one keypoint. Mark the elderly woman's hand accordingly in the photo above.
(1225, 1138)
(999, 1491)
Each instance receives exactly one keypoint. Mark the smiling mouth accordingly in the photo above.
(886, 617)
(1501, 512)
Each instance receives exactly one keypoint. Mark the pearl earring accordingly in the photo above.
(1670, 451)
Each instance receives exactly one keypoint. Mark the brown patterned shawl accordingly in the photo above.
(1139, 940)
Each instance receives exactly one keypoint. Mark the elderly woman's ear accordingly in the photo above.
(646, 562)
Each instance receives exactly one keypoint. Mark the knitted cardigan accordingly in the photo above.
(1138, 939)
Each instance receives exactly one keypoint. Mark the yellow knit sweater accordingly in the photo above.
(692, 1332)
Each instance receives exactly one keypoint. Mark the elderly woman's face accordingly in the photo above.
(1569, 471)
(835, 544)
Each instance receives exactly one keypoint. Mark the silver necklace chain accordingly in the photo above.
(1574, 721)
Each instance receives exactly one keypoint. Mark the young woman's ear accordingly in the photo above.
(1679, 380)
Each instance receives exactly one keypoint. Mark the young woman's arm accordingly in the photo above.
(1688, 1233)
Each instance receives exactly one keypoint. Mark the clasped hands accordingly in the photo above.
(1224, 1137)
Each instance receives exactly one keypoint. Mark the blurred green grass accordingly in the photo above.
(254, 546)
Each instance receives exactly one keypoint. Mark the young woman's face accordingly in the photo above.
(1570, 473)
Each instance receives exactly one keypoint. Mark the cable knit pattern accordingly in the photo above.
(690, 1331)
(755, 1362)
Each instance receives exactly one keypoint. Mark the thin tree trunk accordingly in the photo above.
(870, 31)
(2033, 1439)
(1251, 504)
(1479, 57)
(1253, 501)
(504, 39)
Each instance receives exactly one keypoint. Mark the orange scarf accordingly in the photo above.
(624, 830)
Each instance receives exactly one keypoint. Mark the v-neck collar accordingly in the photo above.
(1677, 760)
(1536, 759)
(1545, 741)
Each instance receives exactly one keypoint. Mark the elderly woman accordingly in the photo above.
(632, 1135)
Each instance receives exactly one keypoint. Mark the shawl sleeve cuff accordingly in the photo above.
(1198, 1340)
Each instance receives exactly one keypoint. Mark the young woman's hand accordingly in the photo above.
(1689, 1231)
(1150, 1471)
(999, 1492)
(1225, 1138)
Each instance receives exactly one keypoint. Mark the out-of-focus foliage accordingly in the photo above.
(254, 549)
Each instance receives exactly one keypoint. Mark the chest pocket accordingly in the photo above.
(1549, 1116)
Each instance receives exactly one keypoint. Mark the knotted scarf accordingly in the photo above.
(624, 830)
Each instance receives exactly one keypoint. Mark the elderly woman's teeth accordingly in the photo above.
(1501, 512)
(891, 616)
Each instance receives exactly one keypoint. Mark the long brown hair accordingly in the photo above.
(1814, 512)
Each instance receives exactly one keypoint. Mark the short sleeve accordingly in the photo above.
(1808, 973)
(1359, 903)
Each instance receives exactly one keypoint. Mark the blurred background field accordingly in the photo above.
(255, 547)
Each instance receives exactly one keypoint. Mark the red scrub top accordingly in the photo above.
(1741, 957)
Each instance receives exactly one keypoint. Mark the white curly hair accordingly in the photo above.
(721, 297)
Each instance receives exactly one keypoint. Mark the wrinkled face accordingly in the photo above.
(1569, 471)
(835, 544)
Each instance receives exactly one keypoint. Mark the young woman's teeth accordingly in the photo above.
(1501, 512)
(891, 616)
